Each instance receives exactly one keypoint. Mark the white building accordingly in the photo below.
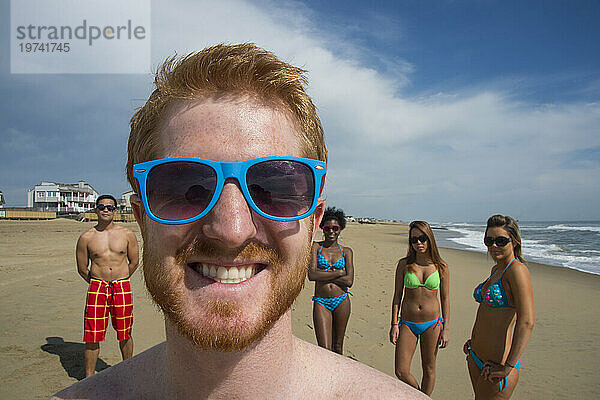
(2, 202)
(50, 196)
(124, 202)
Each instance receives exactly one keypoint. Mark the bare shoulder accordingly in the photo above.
(136, 378)
(518, 271)
(130, 234)
(123, 230)
(349, 379)
(347, 250)
(401, 264)
(87, 235)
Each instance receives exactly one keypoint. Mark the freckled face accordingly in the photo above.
(268, 259)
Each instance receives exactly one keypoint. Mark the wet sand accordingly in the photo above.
(42, 299)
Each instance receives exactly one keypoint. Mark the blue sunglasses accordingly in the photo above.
(181, 190)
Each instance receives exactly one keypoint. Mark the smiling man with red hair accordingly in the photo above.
(228, 161)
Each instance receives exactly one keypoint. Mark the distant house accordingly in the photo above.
(124, 203)
(62, 197)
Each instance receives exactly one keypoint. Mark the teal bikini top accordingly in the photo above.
(323, 264)
(432, 282)
(494, 296)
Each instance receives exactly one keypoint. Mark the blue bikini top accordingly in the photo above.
(323, 264)
(494, 296)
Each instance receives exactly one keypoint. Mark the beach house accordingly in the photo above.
(62, 197)
(124, 202)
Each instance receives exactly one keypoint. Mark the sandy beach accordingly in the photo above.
(42, 299)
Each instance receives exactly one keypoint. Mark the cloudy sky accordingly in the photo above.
(437, 110)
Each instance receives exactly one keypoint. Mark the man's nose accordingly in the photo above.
(230, 221)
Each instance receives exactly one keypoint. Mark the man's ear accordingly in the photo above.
(319, 211)
(137, 208)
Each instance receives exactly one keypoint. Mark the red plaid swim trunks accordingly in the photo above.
(104, 298)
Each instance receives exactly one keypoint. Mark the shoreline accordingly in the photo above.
(43, 296)
(572, 246)
(527, 261)
(560, 316)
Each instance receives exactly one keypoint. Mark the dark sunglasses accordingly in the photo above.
(415, 239)
(184, 189)
(101, 207)
(334, 228)
(500, 241)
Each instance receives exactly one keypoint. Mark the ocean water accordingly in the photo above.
(574, 245)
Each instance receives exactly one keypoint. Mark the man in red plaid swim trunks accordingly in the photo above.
(107, 255)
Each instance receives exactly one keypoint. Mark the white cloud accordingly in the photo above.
(448, 155)
(386, 149)
(14, 140)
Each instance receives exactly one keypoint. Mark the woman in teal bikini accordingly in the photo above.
(420, 276)
(505, 308)
(332, 270)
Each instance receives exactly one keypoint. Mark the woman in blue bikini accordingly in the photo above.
(418, 315)
(505, 309)
(332, 270)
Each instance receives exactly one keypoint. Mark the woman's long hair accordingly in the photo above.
(432, 249)
(511, 227)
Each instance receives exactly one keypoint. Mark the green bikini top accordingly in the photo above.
(412, 282)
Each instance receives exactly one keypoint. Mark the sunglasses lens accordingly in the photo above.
(415, 239)
(180, 190)
(502, 241)
(333, 228)
(281, 188)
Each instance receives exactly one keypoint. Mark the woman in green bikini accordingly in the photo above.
(420, 276)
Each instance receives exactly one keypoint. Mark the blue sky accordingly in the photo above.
(444, 111)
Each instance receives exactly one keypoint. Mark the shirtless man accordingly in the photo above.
(228, 161)
(107, 255)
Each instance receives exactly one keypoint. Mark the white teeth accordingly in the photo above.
(226, 274)
(222, 273)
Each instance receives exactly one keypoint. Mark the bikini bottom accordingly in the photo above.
(331, 303)
(480, 365)
(418, 328)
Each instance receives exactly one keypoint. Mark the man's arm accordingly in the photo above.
(133, 252)
(82, 257)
